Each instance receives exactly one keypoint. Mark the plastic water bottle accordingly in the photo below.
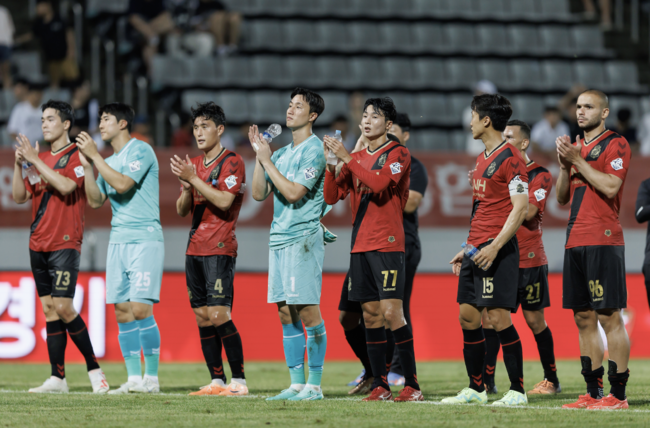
(469, 250)
(32, 173)
(331, 157)
(271, 132)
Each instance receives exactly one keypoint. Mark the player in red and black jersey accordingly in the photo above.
(500, 203)
(377, 180)
(533, 292)
(592, 176)
(212, 189)
(58, 202)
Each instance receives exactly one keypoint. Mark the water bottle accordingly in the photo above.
(32, 173)
(271, 132)
(469, 250)
(331, 157)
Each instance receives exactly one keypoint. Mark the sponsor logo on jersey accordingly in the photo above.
(395, 168)
(231, 181)
(79, 171)
(540, 194)
(617, 164)
(608, 232)
(135, 166)
(310, 173)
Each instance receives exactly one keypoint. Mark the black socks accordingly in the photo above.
(547, 355)
(618, 381)
(234, 350)
(593, 378)
(404, 343)
(57, 339)
(492, 346)
(79, 335)
(390, 349)
(513, 357)
(211, 347)
(474, 355)
(376, 341)
(357, 340)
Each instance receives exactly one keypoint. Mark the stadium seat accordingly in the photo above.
(277, 7)
(28, 65)
(235, 105)
(95, 7)
(456, 105)
(431, 109)
(525, 9)
(266, 34)
(555, 9)
(190, 98)
(616, 102)
(396, 37)
(462, 9)
(429, 72)
(428, 37)
(267, 107)
(268, 71)
(590, 74)
(494, 9)
(336, 72)
(57, 94)
(429, 8)
(558, 75)
(461, 38)
(337, 36)
(314, 8)
(524, 39)
(207, 72)
(366, 72)
(172, 71)
(622, 75)
(398, 72)
(461, 72)
(528, 108)
(430, 139)
(303, 71)
(555, 39)
(301, 35)
(236, 70)
(362, 32)
(336, 103)
(526, 74)
(588, 40)
(492, 38)
(402, 8)
(404, 102)
(458, 140)
(496, 71)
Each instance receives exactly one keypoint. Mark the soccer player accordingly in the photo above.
(377, 180)
(294, 174)
(134, 265)
(500, 203)
(592, 177)
(212, 190)
(533, 292)
(58, 202)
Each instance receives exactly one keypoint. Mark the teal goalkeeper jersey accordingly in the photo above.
(136, 213)
(305, 165)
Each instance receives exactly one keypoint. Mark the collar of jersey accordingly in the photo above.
(530, 163)
(223, 149)
(372, 152)
(61, 150)
(125, 146)
(486, 156)
(595, 138)
(300, 145)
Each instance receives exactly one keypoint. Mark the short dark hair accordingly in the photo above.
(384, 106)
(496, 107)
(523, 127)
(209, 111)
(121, 111)
(624, 114)
(64, 110)
(402, 120)
(600, 94)
(315, 101)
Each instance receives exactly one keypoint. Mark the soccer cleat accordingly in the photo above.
(545, 387)
(307, 394)
(359, 378)
(234, 389)
(609, 403)
(147, 386)
(584, 401)
(379, 394)
(284, 395)
(409, 394)
(467, 396)
(53, 385)
(490, 387)
(98, 381)
(363, 387)
(395, 379)
(123, 389)
(212, 389)
(512, 398)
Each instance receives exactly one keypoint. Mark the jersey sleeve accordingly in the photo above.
(515, 175)
(138, 161)
(311, 167)
(232, 175)
(539, 189)
(74, 170)
(397, 164)
(617, 158)
(335, 187)
(419, 178)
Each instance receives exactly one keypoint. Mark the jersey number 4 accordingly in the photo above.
(218, 287)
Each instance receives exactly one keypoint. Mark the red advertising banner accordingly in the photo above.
(447, 202)
(434, 311)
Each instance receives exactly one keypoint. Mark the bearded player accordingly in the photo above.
(212, 190)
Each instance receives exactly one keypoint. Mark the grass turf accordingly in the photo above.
(174, 408)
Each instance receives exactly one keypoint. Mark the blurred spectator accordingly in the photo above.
(643, 135)
(25, 117)
(86, 112)
(184, 135)
(150, 20)
(6, 43)
(567, 106)
(624, 127)
(21, 89)
(57, 43)
(547, 130)
(141, 129)
(341, 123)
(355, 103)
(475, 147)
(605, 12)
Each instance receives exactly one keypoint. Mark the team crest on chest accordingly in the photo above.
(595, 152)
(382, 160)
(491, 169)
(215, 173)
(63, 161)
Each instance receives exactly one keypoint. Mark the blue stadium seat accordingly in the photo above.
(303, 71)
(396, 37)
(95, 7)
(172, 71)
(7, 102)
(267, 107)
(616, 102)
(429, 8)
(558, 75)
(458, 140)
(367, 72)
(492, 38)
(463, 9)
(235, 105)
(590, 74)
(495, 70)
(404, 102)
(337, 36)
(428, 37)
(461, 72)
(268, 70)
(494, 9)
(461, 38)
(336, 72)
(402, 8)
(526, 74)
(190, 98)
(429, 72)
(456, 105)
(28, 65)
(555, 9)
(622, 75)
(529, 108)
(317, 8)
(362, 32)
(526, 9)
(236, 70)
(57, 94)
(301, 35)
(429, 140)
(207, 72)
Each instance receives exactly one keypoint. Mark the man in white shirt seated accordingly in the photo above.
(25, 117)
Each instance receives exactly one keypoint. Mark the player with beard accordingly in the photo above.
(58, 203)
(592, 177)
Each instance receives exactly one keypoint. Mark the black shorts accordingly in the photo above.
(345, 304)
(376, 276)
(496, 287)
(594, 278)
(55, 273)
(210, 280)
(533, 289)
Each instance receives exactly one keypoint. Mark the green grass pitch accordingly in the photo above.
(174, 408)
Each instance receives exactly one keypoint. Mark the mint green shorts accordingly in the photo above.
(134, 272)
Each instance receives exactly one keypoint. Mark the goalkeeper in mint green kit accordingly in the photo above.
(295, 176)
(134, 266)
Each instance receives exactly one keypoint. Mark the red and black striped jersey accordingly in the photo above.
(497, 176)
(377, 217)
(529, 235)
(58, 220)
(213, 230)
(594, 217)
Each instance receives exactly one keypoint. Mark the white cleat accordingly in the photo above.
(147, 386)
(467, 396)
(123, 389)
(512, 398)
(53, 385)
(98, 381)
